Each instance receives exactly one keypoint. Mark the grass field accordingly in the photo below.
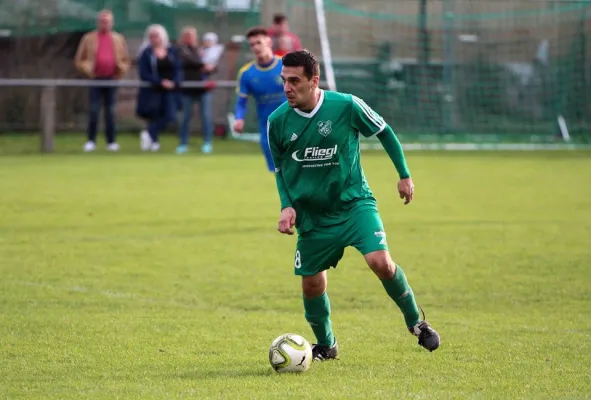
(157, 276)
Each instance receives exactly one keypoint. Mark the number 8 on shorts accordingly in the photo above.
(298, 261)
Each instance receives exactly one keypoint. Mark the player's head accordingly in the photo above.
(260, 42)
(300, 74)
(280, 23)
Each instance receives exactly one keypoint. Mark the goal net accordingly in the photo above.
(457, 74)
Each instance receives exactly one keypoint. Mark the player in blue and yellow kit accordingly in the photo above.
(260, 79)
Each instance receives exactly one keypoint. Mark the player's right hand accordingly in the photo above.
(239, 125)
(287, 221)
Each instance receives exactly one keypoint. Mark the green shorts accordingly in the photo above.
(323, 248)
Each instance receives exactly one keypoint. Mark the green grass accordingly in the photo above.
(156, 276)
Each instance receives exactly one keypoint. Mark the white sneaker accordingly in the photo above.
(113, 147)
(155, 146)
(145, 140)
(89, 146)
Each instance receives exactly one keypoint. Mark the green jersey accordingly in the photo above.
(317, 158)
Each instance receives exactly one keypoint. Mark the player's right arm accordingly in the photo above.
(288, 214)
(242, 91)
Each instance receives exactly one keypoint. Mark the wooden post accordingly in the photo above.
(47, 118)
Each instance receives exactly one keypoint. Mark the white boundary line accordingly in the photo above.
(376, 145)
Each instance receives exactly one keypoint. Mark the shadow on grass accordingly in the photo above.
(239, 372)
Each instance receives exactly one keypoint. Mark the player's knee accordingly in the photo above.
(313, 286)
(381, 264)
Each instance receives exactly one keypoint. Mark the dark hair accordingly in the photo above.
(279, 18)
(305, 59)
(256, 31)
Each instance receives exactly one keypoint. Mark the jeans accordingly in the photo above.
(157, 125)
(164, 115)
(105, 97)
(206, 118)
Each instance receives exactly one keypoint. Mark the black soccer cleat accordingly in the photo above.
(325, 353)
(428, 337)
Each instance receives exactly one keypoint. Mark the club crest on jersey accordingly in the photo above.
(325, 128)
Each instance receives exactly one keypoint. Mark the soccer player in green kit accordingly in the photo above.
(314, 142)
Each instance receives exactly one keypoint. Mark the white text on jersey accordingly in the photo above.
(315, 154)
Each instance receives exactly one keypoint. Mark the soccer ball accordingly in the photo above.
(290, 353)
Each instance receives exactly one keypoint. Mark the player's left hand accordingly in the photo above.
(406, 189)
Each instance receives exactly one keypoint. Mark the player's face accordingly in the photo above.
(260, 45)
(298, 89)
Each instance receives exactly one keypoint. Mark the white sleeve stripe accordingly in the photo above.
(269, 142)
(384, 125)
(369, 113)
(268, 129)
(367, 110)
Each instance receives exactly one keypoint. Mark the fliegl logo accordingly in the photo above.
(314, 154)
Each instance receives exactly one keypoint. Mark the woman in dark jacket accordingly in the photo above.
(160, 66)
(192, 72)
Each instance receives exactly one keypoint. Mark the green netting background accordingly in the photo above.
(34, 17)
(502, 69)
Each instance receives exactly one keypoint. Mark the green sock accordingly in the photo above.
(399, 290)
(318, 316)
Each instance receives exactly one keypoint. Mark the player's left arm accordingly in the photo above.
(288, 215)
(277, 155)
(369, 123)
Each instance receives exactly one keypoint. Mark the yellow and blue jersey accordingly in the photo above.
(264, 84)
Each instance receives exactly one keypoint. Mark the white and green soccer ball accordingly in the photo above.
(290, 353)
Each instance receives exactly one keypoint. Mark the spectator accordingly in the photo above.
(145, 141)
(212, 51)
(284, 45)
(281, 27)
(193, 71)
(160, 66)
(102, 55)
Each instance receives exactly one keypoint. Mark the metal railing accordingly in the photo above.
(48, 97)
